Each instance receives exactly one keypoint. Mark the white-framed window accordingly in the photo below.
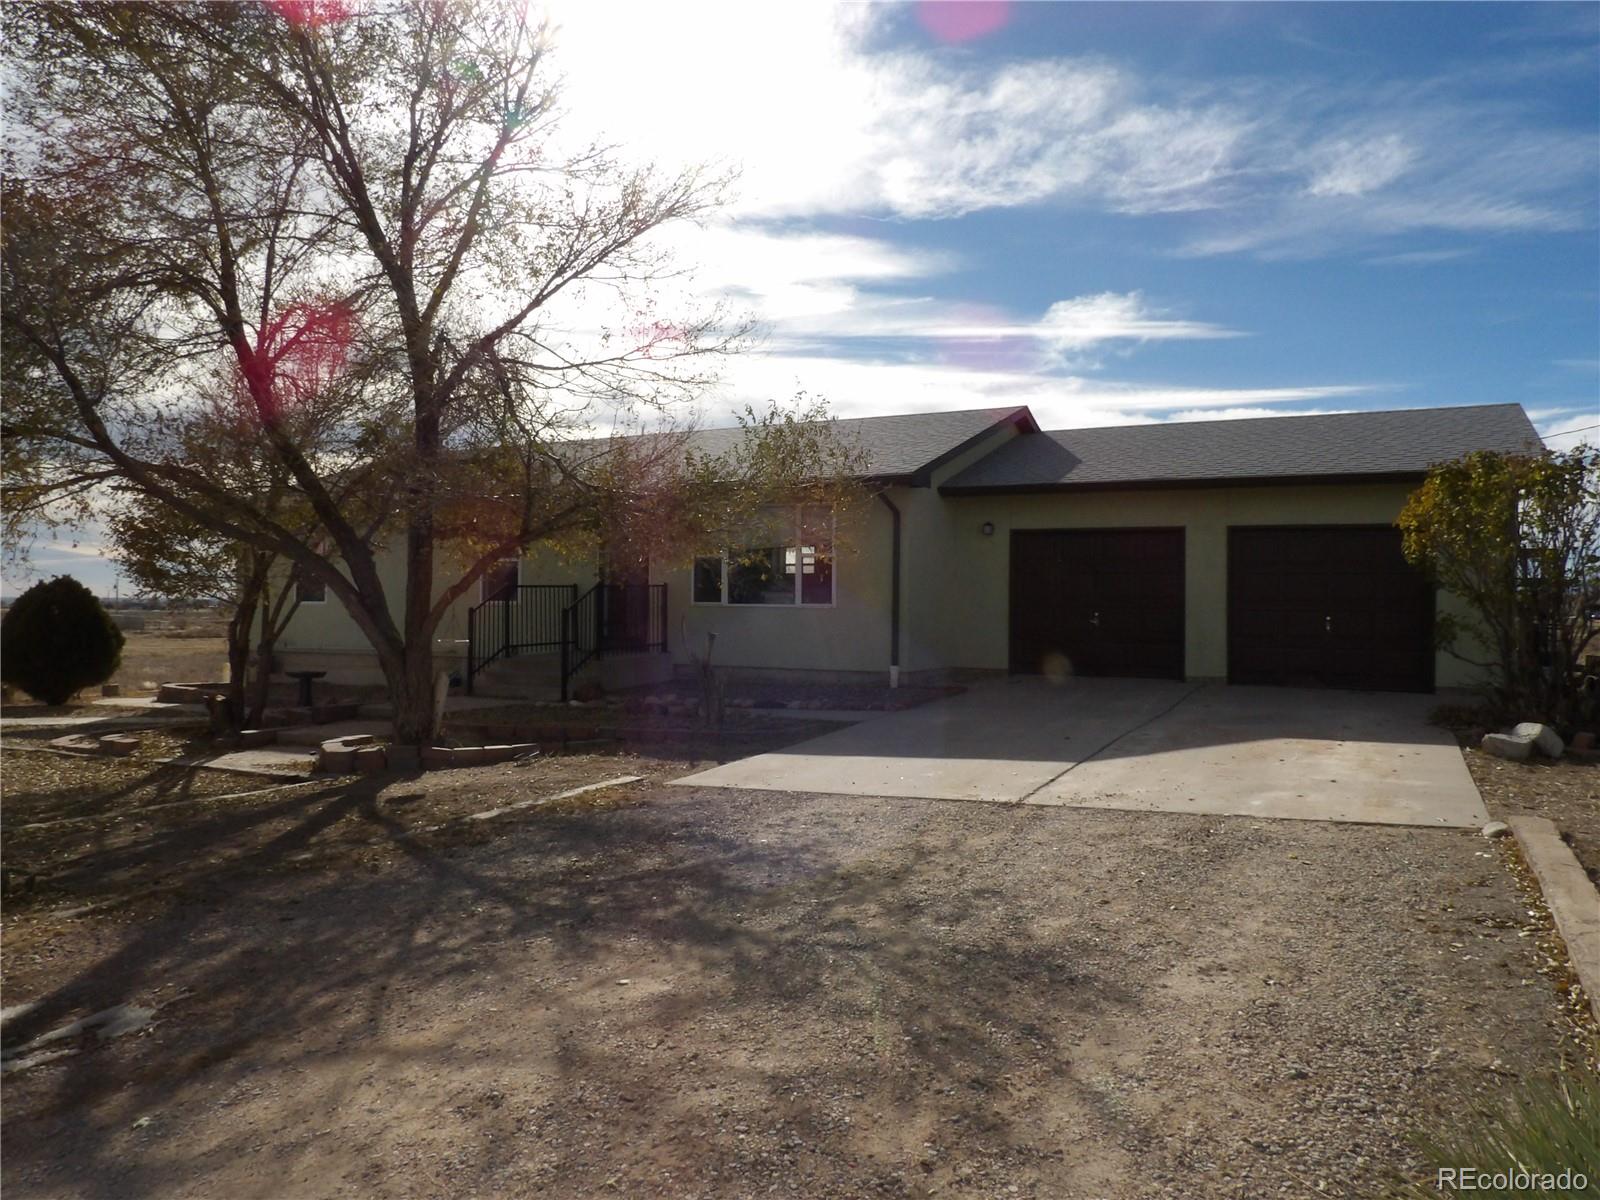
(787, 559)
(503, 574)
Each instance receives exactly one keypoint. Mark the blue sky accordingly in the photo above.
(1118, 212)
(1121, 212)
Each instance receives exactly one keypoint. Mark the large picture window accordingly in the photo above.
(787, 558)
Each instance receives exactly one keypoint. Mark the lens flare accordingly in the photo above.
(1056, 667)
(311, 14)
(963, 20)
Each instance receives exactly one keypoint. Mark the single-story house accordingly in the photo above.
(1257, 551)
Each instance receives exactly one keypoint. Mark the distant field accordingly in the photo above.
(169, 645)
(178, 656)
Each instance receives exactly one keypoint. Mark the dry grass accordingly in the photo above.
(149, 659)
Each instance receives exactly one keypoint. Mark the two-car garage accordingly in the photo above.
(1307, 605)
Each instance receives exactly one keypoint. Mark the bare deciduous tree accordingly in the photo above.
(367, 217)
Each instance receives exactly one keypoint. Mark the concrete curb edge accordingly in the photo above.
(1570, 894)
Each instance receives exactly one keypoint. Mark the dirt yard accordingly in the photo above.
(689, 993)
(1565, 792)
(83, 830)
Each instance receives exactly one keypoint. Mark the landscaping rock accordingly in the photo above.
(1495, 829)
(338, 755)
(1546, 740)
(438, 758)
(76, 741)
(403, 758)
(119, 744)
(189, 693)
(336, 759)
(1508, 745)
(369, 760)
(496, 754)
(111, 689)
(468, 756)
(249, 739)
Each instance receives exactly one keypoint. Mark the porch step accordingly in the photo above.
(522, 677)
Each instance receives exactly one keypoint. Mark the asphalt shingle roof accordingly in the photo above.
(900, 445)
(1395, 442)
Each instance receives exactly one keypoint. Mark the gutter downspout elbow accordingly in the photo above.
(894, 594)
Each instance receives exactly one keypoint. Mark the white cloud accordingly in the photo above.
(819, 124)
(1073, 324)
(811, 287)
(58, 551)
(1245, 413)
(824, 123)
(1344, 167)
(1422, 258)
(1568, 428)
(862, 387)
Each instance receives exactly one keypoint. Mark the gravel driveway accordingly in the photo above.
(721, 993)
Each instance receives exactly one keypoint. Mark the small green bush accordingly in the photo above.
(1542, 1129)
(56, 640)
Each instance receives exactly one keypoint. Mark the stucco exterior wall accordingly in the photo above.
(967, 624)
(324, 636)
(955, 583)
(848, 637)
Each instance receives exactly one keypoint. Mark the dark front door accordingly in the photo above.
(1098, 602)
(625, 603)
(1328, 606)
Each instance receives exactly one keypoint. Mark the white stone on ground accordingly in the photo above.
(1546, 740)
(1516, 747)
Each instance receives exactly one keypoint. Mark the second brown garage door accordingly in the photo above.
(1327, 606)
(1098, 601)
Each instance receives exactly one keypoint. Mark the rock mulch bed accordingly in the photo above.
(1566, 792)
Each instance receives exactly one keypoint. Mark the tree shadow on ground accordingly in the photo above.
(796, 933)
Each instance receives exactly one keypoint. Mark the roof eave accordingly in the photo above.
(1131, 485)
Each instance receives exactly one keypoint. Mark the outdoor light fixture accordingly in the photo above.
(987, 528)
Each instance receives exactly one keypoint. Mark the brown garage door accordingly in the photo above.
(1110, 601)
(1327, 606)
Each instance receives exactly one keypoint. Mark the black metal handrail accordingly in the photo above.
(519, 618)
(610, 618)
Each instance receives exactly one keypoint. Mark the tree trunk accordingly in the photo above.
(240, 628)
(411, 686)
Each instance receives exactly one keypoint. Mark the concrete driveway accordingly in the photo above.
(1148, 745)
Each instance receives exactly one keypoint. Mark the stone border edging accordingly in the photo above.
(1570, 894)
